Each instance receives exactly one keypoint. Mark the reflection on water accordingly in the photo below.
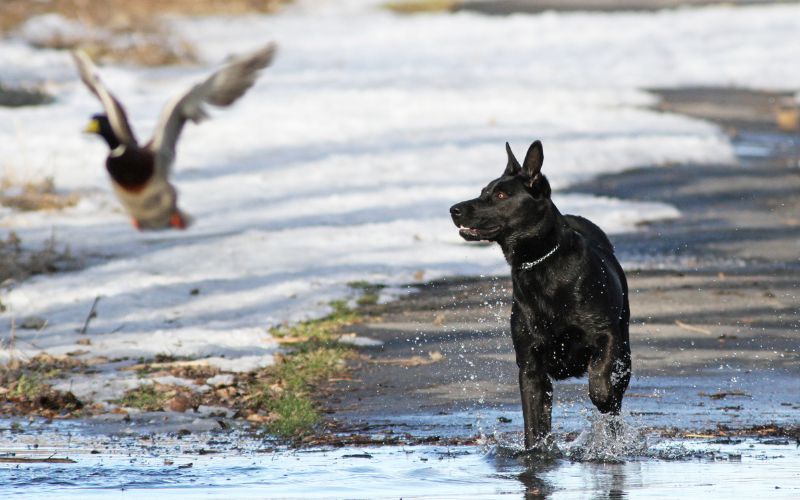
(754, 145)
(228, 465)
(745, 470)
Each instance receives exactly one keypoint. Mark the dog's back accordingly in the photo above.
(590, 231)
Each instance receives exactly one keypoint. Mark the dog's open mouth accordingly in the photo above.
(477, 234)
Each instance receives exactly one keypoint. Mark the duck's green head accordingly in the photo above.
(100, 125)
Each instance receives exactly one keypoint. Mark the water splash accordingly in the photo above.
(609, 438)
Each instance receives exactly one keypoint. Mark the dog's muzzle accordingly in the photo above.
(460, 213)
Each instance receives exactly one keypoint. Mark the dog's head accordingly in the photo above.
(516, 204)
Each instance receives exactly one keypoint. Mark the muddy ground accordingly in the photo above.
(715, 299)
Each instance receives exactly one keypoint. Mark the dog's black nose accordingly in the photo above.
(455, 211)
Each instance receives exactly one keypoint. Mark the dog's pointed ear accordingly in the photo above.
(512, 167)
(533, 161)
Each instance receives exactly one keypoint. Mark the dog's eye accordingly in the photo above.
(500, 195)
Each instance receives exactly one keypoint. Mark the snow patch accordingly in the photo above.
(341, 163)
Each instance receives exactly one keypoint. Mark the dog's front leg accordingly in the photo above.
(534, 384)
(610, 372)
(537, 401)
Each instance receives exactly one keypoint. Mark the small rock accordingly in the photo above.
(33, 323)
(226, 392)
(179, 403)
(220, 380)
(261, 419)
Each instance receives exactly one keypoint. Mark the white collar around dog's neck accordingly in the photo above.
(530, 265)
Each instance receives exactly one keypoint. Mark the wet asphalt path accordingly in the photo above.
(715, 299)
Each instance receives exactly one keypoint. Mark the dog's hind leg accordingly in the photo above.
(537, 403)
(609, 373)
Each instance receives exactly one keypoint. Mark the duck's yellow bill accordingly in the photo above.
(93, 127)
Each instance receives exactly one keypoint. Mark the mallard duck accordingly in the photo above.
(140, 173)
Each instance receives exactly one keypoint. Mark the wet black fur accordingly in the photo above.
(570, 313)
(131, 169)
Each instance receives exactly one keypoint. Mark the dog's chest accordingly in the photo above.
(545, 304)
(553, 305)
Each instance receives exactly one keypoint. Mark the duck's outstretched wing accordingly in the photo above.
(222, 88)
(113, 108)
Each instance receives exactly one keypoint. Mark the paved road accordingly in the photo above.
(720, 315)
(507, 7)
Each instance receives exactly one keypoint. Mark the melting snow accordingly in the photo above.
(341, 163)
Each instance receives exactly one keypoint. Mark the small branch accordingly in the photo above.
(692, 328)
(91, 315)
(49, 460)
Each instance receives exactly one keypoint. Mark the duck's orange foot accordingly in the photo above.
(136, 225)
(177, 221)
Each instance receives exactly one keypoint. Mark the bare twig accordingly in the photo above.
(91, 315)
(27, 460)
(692, 328)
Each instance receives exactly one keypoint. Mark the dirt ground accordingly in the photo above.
(715, 299)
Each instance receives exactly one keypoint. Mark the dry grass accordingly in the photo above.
(24, 392)
(34, 195)
(282, 397)
(18, 263)
(138, 34)
(13, 96)
(420, 6)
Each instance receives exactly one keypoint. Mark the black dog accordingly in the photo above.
(570, 307)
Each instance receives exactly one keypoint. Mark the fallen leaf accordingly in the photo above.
(179, 403)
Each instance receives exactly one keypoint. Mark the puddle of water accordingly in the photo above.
(236, 465)
(746, 469)
(752, 145)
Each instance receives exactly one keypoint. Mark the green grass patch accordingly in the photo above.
(321, 329)
(421, 6)
(309, 364)
(24, 389)
(28, 386)
(285, 390)
(145, 397)
(370, 292)
(295, 414)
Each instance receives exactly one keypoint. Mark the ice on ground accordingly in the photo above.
(341, 163)
(359, 341)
